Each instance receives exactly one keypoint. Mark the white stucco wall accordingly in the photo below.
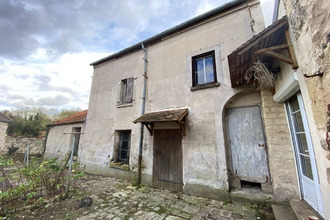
(59, 144)
(168, 86)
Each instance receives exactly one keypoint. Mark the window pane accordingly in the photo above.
(209, 75)
(200, 64)
(209, 62)
(302, 144)
(200, 77)
(306, 166)
(297, 121)
(294, 104)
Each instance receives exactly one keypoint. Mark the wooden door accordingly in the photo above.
(167, 168)
(247, 144)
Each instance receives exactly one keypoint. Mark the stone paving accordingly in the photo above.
(118, 199)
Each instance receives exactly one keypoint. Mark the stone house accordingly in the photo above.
(296, 48)
(62, 134)
(176, 111)
(4, 120)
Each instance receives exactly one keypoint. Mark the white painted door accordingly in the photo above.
(301, 137)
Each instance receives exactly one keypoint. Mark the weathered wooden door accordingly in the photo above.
(167, 168)
(247, 144)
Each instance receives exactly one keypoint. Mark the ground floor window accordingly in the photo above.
(123, 146)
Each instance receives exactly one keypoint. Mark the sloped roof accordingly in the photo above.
(163, 116)
(4, 118)
(77, 118)
(241, 59)
(175, 29)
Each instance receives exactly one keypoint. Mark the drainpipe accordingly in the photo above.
(275, 11)
(142, 113)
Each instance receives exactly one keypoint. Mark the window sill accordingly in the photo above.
(205, 86)
(119, 166)
(124, 105)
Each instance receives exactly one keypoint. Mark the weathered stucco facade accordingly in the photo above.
(206, 156)
(61, 135)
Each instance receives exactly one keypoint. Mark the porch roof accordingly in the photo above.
(173, 115)
(263, 45)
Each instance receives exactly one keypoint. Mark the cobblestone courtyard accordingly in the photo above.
(118, 199)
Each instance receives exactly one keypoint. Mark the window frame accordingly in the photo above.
(119, 148)
(123, 92)
(195, 84)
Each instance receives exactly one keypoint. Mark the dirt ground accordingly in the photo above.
(118, 199)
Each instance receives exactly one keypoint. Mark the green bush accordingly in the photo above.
(39, 180)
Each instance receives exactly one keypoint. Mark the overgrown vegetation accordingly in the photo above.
(32, 185)
(34, 122)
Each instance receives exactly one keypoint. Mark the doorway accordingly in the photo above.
(167, 160)
(247, 147)
(304, 153)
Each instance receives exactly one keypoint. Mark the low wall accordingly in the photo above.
(35, 145)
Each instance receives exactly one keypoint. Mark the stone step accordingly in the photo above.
(302, 210)
(282, 212)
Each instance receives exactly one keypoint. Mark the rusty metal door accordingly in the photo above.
(247, 144)
(167, 168)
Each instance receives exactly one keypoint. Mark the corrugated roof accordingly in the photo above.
(4, 118)
(170, 31)
(79, 117)
(163, 116)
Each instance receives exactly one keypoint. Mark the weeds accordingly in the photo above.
(34, 183)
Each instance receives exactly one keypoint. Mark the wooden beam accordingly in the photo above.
(279, 56)
(183, 127)
(278, 47)
(150, 128)
(291, 50)
(263, 36)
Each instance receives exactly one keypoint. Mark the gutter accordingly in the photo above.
(170, 31)
(142, 112)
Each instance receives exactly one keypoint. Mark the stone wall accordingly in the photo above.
(3, 128)
(35, 145)
(280, 154)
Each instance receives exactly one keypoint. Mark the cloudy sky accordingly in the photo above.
(46, 45)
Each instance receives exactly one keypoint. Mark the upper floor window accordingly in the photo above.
(204, 71)
(126, 91)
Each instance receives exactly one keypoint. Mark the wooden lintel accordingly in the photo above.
(279, 56)
(183, 127)
(150, 128)
(278, 47)
(291, 50)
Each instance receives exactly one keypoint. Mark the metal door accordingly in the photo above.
(303, 147)
(247, 144)
(167, 169)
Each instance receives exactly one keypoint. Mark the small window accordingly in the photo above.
(76, 140)
(126, 91)
(123, 148)
(203, 67)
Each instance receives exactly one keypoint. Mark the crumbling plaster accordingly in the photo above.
(310, 30)
(204, 161)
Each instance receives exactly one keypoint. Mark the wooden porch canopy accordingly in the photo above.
(173, 115)
(266, 46)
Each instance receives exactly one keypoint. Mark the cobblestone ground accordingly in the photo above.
(118, 199)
